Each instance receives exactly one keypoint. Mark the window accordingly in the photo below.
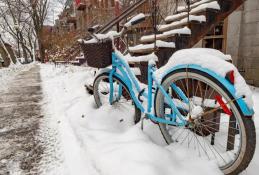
(216, 38)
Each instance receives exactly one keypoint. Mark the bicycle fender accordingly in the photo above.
(243, 107)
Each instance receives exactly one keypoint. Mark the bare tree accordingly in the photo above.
(38, 10)
(24, 20)
(17, 22)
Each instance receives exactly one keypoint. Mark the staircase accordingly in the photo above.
(187, 25)
(183, 29)
(75, 48)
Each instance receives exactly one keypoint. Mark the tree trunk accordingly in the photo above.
(23, 48)
(18, 44)
(41, 50)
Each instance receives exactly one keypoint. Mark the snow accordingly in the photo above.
(183, 31)
(159, 43)
(97, 141)
(200, 5)
(93, 141)
(210, 59)
(200, 18)
(144, 58)
(176, 16)
(136, 70)
(196, 112)
(8, 74)
(254, 165)
(200, 2)
(212, 5)
(110, 34)
(135, 18)
(195, 8)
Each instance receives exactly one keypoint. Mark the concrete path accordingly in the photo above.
(20, 115)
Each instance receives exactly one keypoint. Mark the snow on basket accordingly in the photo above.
(213, 60)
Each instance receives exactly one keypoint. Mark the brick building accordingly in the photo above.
(80, 14)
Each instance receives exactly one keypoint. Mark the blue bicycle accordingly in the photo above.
(194, 107)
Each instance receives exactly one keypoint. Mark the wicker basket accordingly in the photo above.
(99, 54)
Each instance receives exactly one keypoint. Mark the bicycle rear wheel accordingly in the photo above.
(121, 97)
(226, 137)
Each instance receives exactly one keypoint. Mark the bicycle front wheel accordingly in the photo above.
(122, 100)
(226, 137)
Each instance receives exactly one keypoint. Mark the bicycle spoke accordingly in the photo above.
(209, 132)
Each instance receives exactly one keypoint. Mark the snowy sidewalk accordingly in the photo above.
(20, 113)
(53, 128)
(94, 141)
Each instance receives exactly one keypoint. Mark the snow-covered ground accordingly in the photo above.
(94, 141)
(254, 165)
(7, 74)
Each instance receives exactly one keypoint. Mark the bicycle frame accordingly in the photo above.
(121, 69)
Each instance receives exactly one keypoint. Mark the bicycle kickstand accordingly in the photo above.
(142, 121)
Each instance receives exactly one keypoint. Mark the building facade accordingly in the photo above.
(80, 14)
(243, 40)
(238, 36)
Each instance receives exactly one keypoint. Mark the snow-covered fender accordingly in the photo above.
(243, 107)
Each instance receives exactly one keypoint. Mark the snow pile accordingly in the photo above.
(212, 5)
(159, 43)
(7, 74)
(200, 6)
(200, 18)
(134, 19)
(111, 35)
(175, 16)
(144, 58)
(254, 165)
(62, 87)
(183, 31)
(104, 141)
(210, 59)
(200, 2)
